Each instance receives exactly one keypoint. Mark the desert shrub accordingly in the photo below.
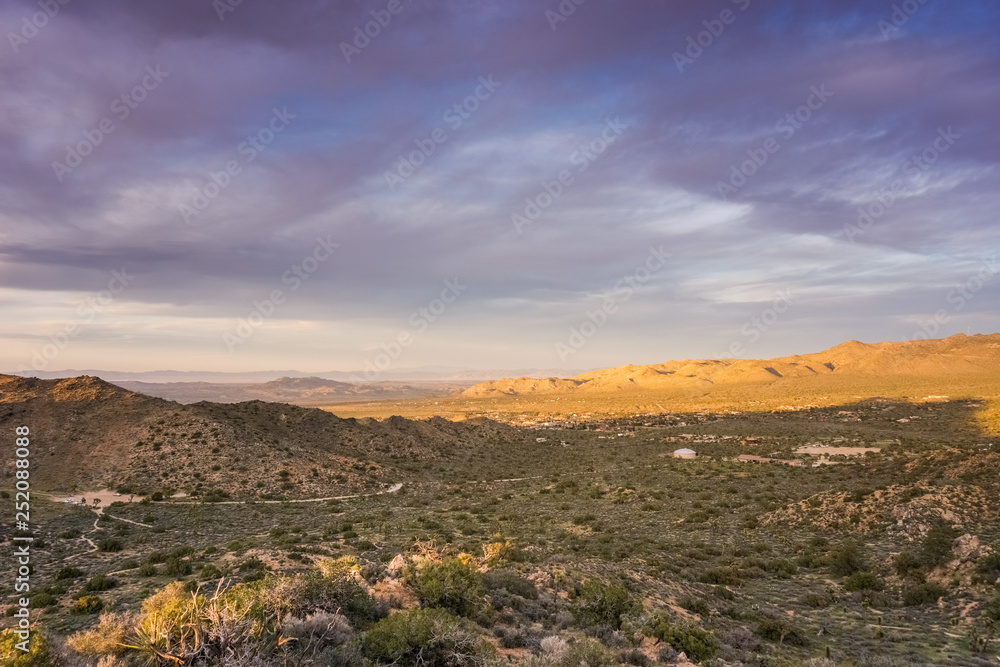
(782, 567)
(425, 636)
(817, 600)
(110, 545)
(37, 655)
(39, 600)
(337, 568)
(937, 546)
(68, 573)
(990, 565)
(557, 652)
(992, 609)
(147, 570)
(87, 604)
(847, 559)
(775, 628)
(317, 631)
(313, 592)
(723, 576)
(453, 583)
(697, 643)
(175, 567)
(635, 657)
(742, 639)
(99, 582)
(605, 604)
(906, 563)
(512, 582)
(864, 581)
(922, 594)
(209, 572)
(106, 638)
(516, 639)
(696, 605)
(501, 551)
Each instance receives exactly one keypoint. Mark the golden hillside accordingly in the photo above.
(925, 363)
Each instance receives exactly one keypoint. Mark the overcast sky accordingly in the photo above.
(262, 185)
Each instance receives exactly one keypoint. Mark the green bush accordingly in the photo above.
(453, 583)
(39, 600)
(99, 582)
(147, 570)
(937, 546)
(906, 563)
(992, 609)
(68, 573)
(604, 604)
(425, 637)
(312, 592)
(990, 566)
(88, 604)
(512, 582)
(697, 643)
(110, 545)
(722, 576)
(37, 654)
(176, 567)
(922, 594)
(847, 559)
(864, 581)
(781, 630)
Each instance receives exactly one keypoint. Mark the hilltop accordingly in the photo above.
(90, 434)
(971, 357)
(959, 366)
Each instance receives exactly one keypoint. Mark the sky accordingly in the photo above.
(381, 185)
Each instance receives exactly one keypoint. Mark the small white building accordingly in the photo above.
(685, 454)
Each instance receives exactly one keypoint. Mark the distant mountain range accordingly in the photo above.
(295, 390)
(425, 374)
(962, 359)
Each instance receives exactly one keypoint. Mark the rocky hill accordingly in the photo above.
(919, 363)
(88, 434)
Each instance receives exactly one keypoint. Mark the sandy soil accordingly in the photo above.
(835, 451)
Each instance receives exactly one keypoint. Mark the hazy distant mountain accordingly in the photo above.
(295, 390)
(970, 358)
(425, 374)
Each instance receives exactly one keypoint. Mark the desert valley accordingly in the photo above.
(839, 506)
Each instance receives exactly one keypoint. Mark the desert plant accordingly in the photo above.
(425, 636)
(453, 583)
(317, 631)
(99, 582)
(36, 655)
(922, 594)
(778, 629)
(864, 581)
(847, 559)
(697, 643)
(87, 604)
(605, 604)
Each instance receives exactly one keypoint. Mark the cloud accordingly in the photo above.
(324, 174)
